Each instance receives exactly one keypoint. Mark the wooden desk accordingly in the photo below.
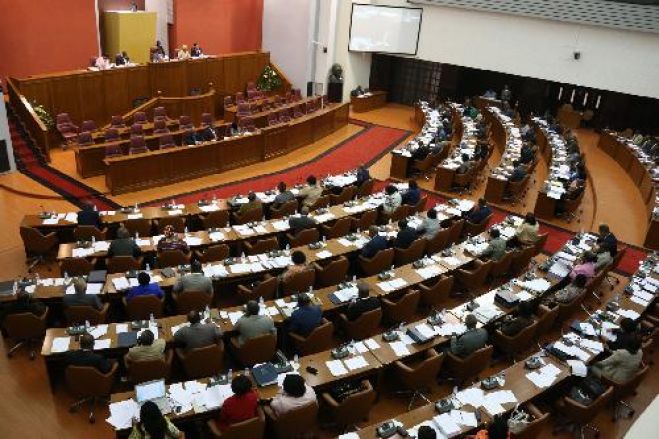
(157, 168)
(368, 102)
(260, 117)
(399, 165)
(569, 118)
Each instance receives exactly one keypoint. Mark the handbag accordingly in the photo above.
(593, 387)
(519, 420)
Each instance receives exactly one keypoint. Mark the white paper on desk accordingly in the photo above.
(592, 345)
(272, 311)
(355, 363)
(587, 329)
(336, 368)
(98, 331)
(50, 221)
(346, 294)
(360, 347)
(192, 241)
(429, 271)
(525, 296)
(101, 246)
(550, 369)
(426, 330)
(215, 396)
(209, 208)
(260, 229)
(493, 408)
(446, 424)
(121, 327)
(344, 242)
(94, 288)
(640, 301)
(540, 285)
(372, 344)
(462, 417)
(471, 396)
(399, 348)
(240, 268)
(175, 212)
(559, 269)
(450, 261)
(324, 254)
(350, 435)
(60, 344)
(134, 215)
(69, 290)
(540, 380)
(216, 236)
(628, 313)
(234, 316)
(120, 283)
(103, 343)
(144, 242)
(122, 414)
(194, 386)
(644, 295)
(451, 328)
(177, 327)
(578, 367)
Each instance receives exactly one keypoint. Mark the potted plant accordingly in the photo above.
(269, 81)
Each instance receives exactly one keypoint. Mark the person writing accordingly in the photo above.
(302, 221)
(253, 202)
(147, 348)
(513, 326)
(171, 241)
(406, 235)
(85, 356)
(622, 365)
(154, 425)
(121, 59)
(412, 195)
(430, 225)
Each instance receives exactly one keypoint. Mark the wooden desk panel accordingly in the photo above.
(544, 206)
(375, 100)
(275, 141)
(240, 151)
(444, 179)
(495, 189)
(623, 157)
(399, 164)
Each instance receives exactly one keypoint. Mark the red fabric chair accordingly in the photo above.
(111, 135)
(160, 127)
(85, 138)
(227, 101)
(251, 86)
(113, 151)
(137, 145)
(159, 112)
(140, 118)
(88, 125)
(207, 120)
(117, 122)
(68, 131)
(243, 110)
(136, 130)
(63, 118)
(240, 97)
(284, 115)
(185, 123)
(272, 119)
(167, 141)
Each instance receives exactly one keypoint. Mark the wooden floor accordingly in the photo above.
(30, 410)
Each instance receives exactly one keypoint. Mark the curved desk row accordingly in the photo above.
(157, 168)
(640, 170)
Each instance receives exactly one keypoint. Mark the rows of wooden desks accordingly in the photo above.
(643, 172)
(260, 117)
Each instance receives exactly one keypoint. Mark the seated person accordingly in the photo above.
(171, 241)
(573, 190)
(527, 232)
(377, 243)
(22, 304)
(496, 247)
(306, 317)
(362, 175)
(124, 245)
(240, 406)
(195, 281)
(147, 348)
(88, 216)
(196, 51)
(145, 287)
(299, 265)
(234, 129)
(252, 324)
(85, 356)
(406, 235)
(412, 195)
(153, 424)
(183, 52)
(102, 62)
(569, 292)
(208, 134)
(192, 137)
(465, 166)
(482, 151)
(622, 365)
(311, 192)
(363, 303)
(283, 197)
(527, 154)
(301, 222)
(121, 59)
(421, 152)
(519, 172)
(470, 341)
(392, 199)
(80, 298)
(253, 202)
(514, 325)
(604, 258)
(479, 212)
(627, 332)
(426, 432)
(295, 393)
(607, 239)
(198, 334)
(430, 225)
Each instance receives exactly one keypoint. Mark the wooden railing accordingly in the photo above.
(286, 84)
(26, 114)
(193, 106)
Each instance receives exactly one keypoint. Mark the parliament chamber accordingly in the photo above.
(247, 219)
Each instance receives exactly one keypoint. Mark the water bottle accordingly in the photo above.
(93, 239)
(288, 247)
(207, 312)
(148, 267)
(185, 230)
(14, 288)
(214, 202)
(137, 236)
(66, 276)
(229, 375)
(261, 301)
(246, 371)
(354, 278)
(324, 239)
(152, 320)
(296, 362)
(87, 325)
(242, 255)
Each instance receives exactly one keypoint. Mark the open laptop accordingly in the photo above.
(154, 391)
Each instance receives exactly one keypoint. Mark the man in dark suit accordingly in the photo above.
(80, 298)
(362, 175)
(196, 50)
(421, 152)
(406, 235)
(519, 172)
(479, 212)
(364, 303)
(197, 334)
(607, 240)
(88, 216)
(412, 195)
(306, 317)
(514, 325)
(22, 304)
(124, 245)
(192, 138)
(85, 356)
(208, 134)
(377, 243)
(302, 222)
(470, 341)
(121, 59)
(527, 154)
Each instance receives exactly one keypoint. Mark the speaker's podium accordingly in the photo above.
(134, 32)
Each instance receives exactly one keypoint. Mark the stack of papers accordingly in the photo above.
(355, 363)
(538, 285)
(122, 414)
(545, 376)
(446, 424)
(336, 368)
(60, 344)
(578, 367)
(324, 254)
(472, 396)
(104, 343)
(461, 417)
(392, 285)
(429, 271)
(399, 348)
(347, 294)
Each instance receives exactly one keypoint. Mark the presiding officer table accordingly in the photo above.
(369, 101)
(156, 168)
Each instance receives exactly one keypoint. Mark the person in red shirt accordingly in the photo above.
(239, 407)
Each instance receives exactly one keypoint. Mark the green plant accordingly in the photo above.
(43, 114)
(269, 80)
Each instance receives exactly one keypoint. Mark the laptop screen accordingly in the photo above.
(150, 390)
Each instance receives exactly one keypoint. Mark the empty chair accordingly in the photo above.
(213, 253)
(366, 188)
(346, 194)
(79, 314)
(172, 258)
(251, 85)
(261, 246)
(294, 423)
(437, 293)
(113, 150)
(253, 428)
(255, 350)
(142, 371)
(252, 95)
(166, 141)
(243, 110)
(159, 113)
(136, 130)
(352, 409)
(540, 243)
(272, 119)
(408, 255)
(463, 369)
(625, 390)
(341, 227)
(140, 118)
(192, 301)
(207, 120)
(298, 111)
(323, 201)
(117, 122)
(85, 233)
(160, 127)
(216, 220)
(500, 268)
(581, 415)
(546, 317)
(85, 138)
(298, 282)
(395, 216)
(267, 289)
(25, 329)
(455, 231)
(76, 266)
(362, 327)
(37, 245)
(513, 345)
(471, 229)
(202, 362)
(111, 135)
(142, 226)
(366, 220)
(88, 125)
(137, 145)
(89, 385)
(521, 260)
(247, 124)
(63, 118)
(402, 309)
(185, 123)
(331, 273)
(276, 101)
(417, 379)
(251, 215)
(378, 263)
(284, 115)
(474, 278)
(318, 340)
(287, 209)
(438, 242)
(533, 428)
(143, 307)
(303, 237)
(240, 97)
(122, 264)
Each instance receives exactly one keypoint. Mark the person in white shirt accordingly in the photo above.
(103, 62)
(183, 52)
(295, 393)
(392, 200)
(430, 225)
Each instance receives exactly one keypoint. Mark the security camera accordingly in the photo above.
(577, 55)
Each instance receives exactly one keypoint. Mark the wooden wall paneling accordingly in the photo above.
(139, 86)
(117, 86)
(323, 124)
(64, 93)
(624, 158)
(168, 78)
(646, 187)
(299, 134)
(198, 75)
(92, 99)
(242, 151)
(37, 90)
(232, 80)
(636, 171)
(341, 116)
(275, 141)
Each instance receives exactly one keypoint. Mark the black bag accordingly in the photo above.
(593, 387)
(577, 394)
(342, 391)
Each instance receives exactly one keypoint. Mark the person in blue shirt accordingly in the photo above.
(412, 195)
(88, 216)
(362, 175)
(519, 172)
(478, 214)
(377, 243)
(145, 287)
(306, 317)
